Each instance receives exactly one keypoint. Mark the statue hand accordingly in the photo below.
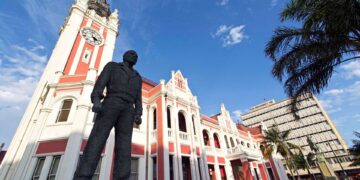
(138, 119)
(97, 107)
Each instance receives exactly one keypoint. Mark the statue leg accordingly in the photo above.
(123, 135)
(99, 134)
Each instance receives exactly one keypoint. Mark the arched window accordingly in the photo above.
(242, 143)
(238, 141)
(232, 142)
(206, 138)
(64, 110)
(227, 142)
(248, 145)
(216, 141)
(168, 114)
(182, 122)
(193, 123)
(154, 119)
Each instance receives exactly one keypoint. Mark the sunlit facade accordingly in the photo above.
(314, 122)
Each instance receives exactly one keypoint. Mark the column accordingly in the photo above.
(162, 142)
(274, 168)
(228, 169)
(46, 168)
(72, 151)
(106, 164)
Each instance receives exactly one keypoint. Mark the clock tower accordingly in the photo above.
(53, 131)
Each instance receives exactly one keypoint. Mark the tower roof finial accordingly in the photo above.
(101, 7)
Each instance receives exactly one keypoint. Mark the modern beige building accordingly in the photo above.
(314, 122)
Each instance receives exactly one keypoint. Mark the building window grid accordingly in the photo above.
(279, 105)
(276, 113)
(297, 126)
(309, 134)
(134, 169)
(39, 165)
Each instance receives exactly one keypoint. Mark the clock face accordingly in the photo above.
(91, 36)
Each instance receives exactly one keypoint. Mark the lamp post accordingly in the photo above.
(342, 168)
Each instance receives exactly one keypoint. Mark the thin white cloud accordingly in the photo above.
(351, 70)
(230, 35)
(335, 99)
(354, 90)
(334, 92)
(222, 29)
(222, 2)
(20, 71)
(237, 114)
(274, 2)
(47, 15)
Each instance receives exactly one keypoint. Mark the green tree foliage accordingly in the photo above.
(305, 57)
(274, 139)
(355, 150)
(275, 142)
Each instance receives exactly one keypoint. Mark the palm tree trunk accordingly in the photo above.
(308, 166)
(295, 168)
(290, 168)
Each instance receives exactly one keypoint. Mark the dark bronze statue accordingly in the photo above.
(123, 84)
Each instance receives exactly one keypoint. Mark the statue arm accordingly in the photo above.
(101, 82)
(138, 101)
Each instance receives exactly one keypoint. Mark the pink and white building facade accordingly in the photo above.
(175, 141)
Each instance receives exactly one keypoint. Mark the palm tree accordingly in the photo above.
(302, 162)
(355, 150)
(305, 57)
(275, 140)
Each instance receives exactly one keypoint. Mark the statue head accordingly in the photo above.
(130, 57)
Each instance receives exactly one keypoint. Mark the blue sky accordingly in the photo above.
(217, 44)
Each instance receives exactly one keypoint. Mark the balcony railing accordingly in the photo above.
(242, 149)
(218, 150)
(184, 137)
(170, 133)
(208, 149)
(196, 138)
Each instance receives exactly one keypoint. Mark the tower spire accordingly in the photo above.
(101, 7)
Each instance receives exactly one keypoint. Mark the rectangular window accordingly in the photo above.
(154, 168)
(54, 167)
(171, 164)
(154, 119)
(186, 168)
(86, 56)
(38, 168)
(64, 111)
(271, 174)
(222, 172)
(193, 122)
(97, 171)
(134, 169)
(198, 163)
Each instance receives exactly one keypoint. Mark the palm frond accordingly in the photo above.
(306, 57)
